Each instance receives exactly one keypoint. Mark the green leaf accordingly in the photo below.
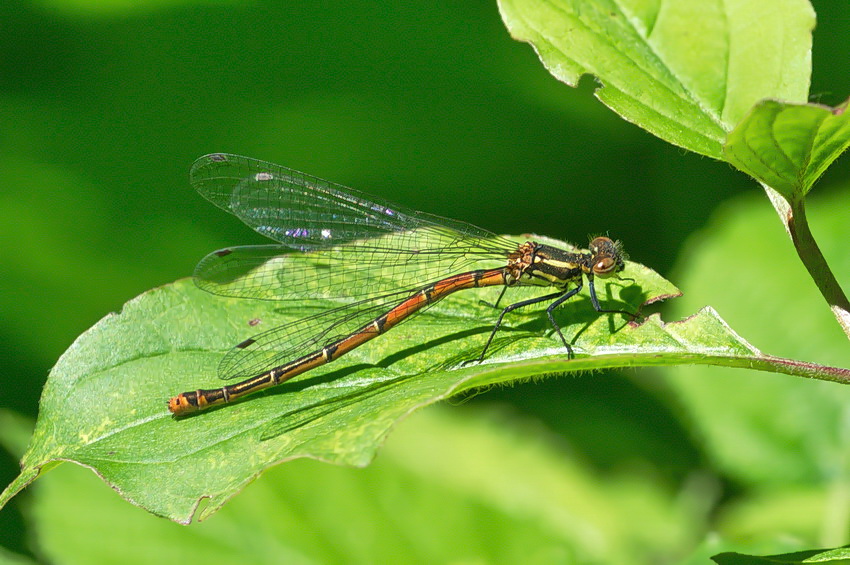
(452, 485)
(685, 71)
(789, 146)
(104, 403)
(830, 556)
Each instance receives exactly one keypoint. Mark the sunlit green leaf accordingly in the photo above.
(685, 71)
(451, 485)
(104, 403)
(837, 556)
(788, 146)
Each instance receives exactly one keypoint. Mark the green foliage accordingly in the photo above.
(839, 556)
(104, 403)
(686, 71)
(782, 440)
(690, 72)
(693, 73)
(442, 491)
(789, 146)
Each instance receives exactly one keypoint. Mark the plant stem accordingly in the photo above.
(793, 215)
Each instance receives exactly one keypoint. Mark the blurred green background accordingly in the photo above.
(105, 105)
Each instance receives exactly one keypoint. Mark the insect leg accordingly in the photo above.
(509, 309)
(595, 302)
(551, 308)
(495, 304)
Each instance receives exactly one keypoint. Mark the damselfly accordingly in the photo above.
(337, 242)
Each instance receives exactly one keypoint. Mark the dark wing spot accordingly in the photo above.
(247, 343)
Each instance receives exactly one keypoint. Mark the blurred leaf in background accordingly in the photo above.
(781, 441)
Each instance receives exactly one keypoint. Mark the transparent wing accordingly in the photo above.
(288, 342)
(302, 211)
(336, 242)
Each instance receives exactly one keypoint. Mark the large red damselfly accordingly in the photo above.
(337, 242)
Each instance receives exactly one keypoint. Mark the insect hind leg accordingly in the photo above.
(560, 296)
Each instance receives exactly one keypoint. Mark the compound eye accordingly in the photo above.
(604, 266)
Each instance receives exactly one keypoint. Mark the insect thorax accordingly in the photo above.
(543, 265)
